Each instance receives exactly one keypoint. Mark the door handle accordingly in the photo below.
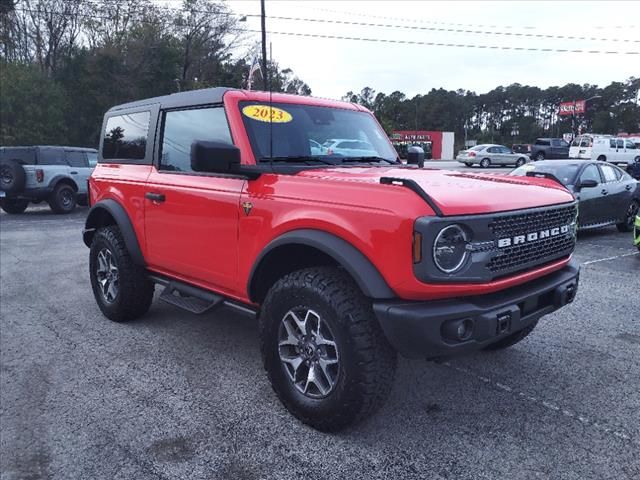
(73, 173)
(628, 187)
(155, 197)
(604, 192)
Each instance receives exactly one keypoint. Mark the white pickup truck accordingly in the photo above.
(57, 175)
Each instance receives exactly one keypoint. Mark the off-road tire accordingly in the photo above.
(135, 289)
(627, 225)
(512, 339)
(13, 206)
(12, 176)
(367, 361)
(485, 162)
(63, 199)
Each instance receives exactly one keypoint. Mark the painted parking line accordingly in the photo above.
(617, 432)
(610, 258)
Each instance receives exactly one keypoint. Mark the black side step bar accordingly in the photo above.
(194, 299)
(413, 185)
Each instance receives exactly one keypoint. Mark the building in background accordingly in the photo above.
(440, 144)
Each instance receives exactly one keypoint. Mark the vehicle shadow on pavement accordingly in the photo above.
(435, 409)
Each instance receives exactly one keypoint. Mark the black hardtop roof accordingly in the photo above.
(182, 99)
(62, 147)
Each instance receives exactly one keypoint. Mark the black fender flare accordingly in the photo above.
(53, 183)
(122, 220)
(365, 274)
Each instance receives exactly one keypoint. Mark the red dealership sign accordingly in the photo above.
(567, 108)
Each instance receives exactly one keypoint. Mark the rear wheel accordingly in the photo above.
(539, 156)
(520, 162)
(13, 206)
(468, 164)
(512, 339)
(121, 288)
(485, 163)
(324, 352)
(63, 199)
(630, 217)
(602, 158)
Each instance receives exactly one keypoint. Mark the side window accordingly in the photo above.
(76, 159)
(492, 150)
(563, 143)
(629, 145)
(609, 173)
(93, 159)
(586, 142)
(591, 173)
(183, 127)
(555, 142)
(506, 150)
(544, 143)
(612, 143)
(51, 156)
(619, 143)
(125, 136)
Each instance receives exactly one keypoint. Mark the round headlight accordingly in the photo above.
(450, 248)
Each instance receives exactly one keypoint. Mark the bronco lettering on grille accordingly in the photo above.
(533, 236)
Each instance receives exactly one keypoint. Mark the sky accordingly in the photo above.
(331, 67)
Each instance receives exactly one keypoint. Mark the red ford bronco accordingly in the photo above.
(297, 209)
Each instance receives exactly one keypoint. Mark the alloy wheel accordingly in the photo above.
(108, 275)
(66, 198)
(308, 352)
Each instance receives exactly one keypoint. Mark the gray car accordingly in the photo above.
(489, 154)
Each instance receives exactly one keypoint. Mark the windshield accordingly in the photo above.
(566, 173)
(304, 132)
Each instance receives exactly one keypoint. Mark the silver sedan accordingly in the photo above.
(489, 154)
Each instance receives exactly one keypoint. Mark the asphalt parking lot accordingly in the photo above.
(176, 395)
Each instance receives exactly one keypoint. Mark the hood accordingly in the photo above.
(460, 193)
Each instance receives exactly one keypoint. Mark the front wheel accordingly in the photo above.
(520, 162)
(602, 158)
(13, 206)
(121, 288)
(324, 352)
(630, 217)
(539, 156)
(63, 199)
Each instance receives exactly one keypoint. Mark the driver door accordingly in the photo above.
(191, 218)
(592, 203)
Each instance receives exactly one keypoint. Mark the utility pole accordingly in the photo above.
(265, 76)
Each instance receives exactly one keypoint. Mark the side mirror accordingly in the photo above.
(587, 184)
(214, 157)
(415, 156)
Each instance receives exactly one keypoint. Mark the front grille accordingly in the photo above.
(530, 253)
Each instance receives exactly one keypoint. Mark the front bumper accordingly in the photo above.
(423, 329)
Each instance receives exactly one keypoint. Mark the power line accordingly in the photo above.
(443, 44)
(436, 22)
(452, 30)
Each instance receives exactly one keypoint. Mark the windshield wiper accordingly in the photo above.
(298, 159)
(368, 159)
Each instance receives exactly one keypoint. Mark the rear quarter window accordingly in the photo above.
(125, 137)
